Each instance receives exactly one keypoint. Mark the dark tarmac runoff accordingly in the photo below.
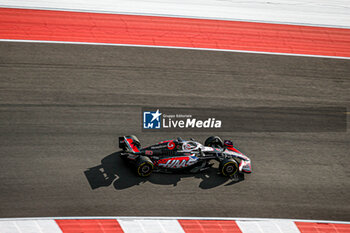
(63, 107)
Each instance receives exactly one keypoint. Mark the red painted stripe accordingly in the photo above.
(89, 226)
(209, 226)
(310, 227)
(24, 24)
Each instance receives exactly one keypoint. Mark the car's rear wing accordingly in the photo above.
(127, 143)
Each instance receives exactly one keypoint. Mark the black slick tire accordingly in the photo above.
(228, 167)
(144, 166)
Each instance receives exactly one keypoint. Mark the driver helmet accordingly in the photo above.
(190, 145)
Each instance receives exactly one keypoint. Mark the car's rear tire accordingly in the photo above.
(228, 167)
(144, 166)
(214, 141)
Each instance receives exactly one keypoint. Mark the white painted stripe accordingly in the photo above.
(29, 226)
(130, 226)
(173, 47)
(8, 227)
(174, 226)
(150, 226)
(268, 226)
(287, 226)
(48, 226)
(310, 12)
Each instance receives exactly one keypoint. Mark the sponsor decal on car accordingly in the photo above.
(171, 145)
(179, 162)
(159, 147)
(148, 152)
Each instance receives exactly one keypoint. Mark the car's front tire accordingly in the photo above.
(228, 167)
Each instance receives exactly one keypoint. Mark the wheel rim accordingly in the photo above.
(230, 169)
(145, 169)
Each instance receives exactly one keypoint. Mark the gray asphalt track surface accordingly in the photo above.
(63, 106)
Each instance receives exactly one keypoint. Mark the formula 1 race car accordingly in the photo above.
(184, 156)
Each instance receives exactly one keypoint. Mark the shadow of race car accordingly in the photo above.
(185, 156)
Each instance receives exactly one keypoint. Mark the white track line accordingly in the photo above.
(173, 47)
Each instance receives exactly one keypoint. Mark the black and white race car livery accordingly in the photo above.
(180, 155)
